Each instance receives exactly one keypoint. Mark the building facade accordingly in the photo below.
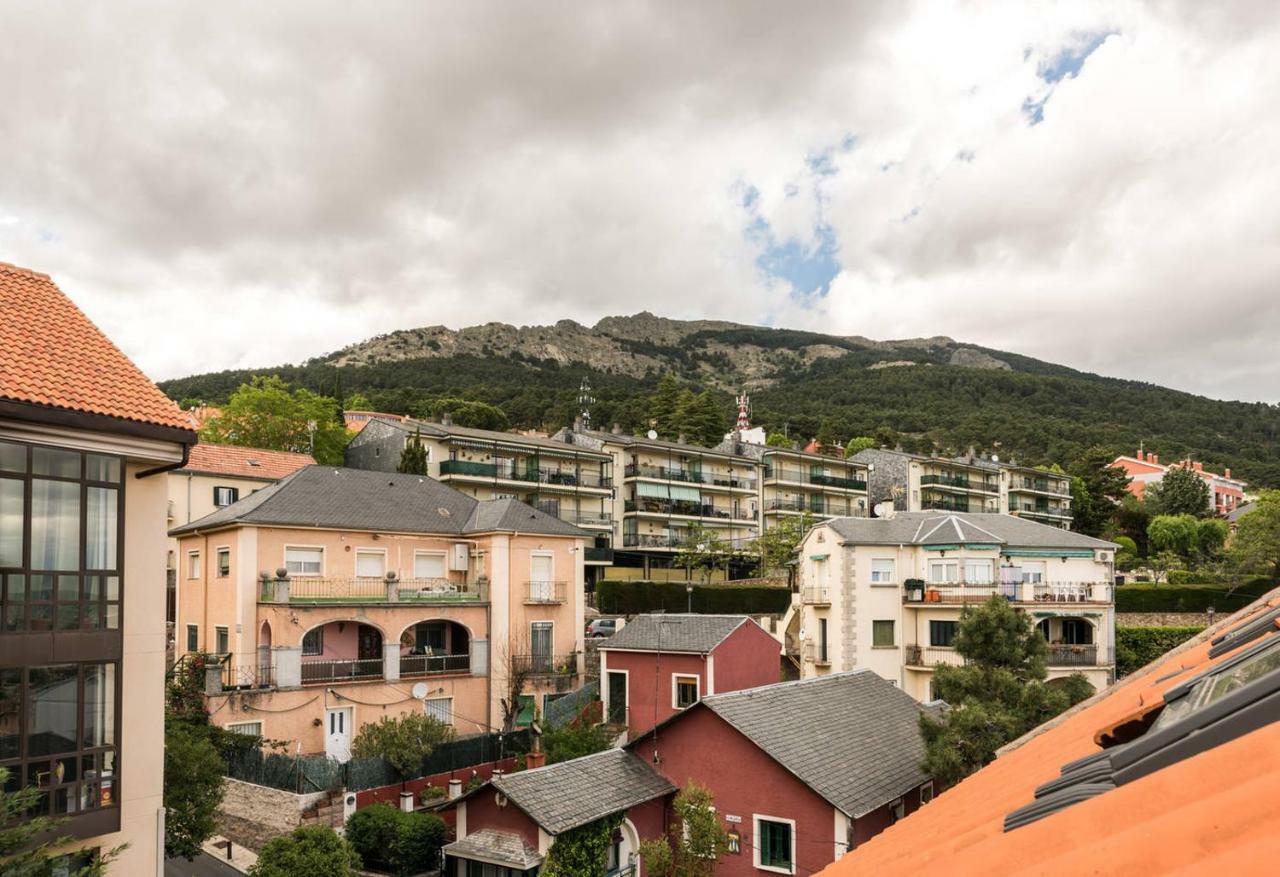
(84, 440)
(1226, 493)
(338, 596)
(888, 593)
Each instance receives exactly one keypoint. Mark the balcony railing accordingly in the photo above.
(960, 482)
(688, 508)
(1019, 592)
(930, 656)
(800, 476)
(672, 473)
(813, 654)
(801, 507)
(650, 540)
(335, 589)
(432, 665)
(587, 519)
(545, 665)
(1073, 655)
(947, 505)
(1059, 656)
(1060, 488)
(815, 596)
(545, 592)
(557, 477)
(595, 554)
(340, 671)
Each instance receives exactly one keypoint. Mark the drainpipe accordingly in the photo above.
(168, 467)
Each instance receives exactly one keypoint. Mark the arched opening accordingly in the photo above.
(338, 651)
(1071, 640)
(436, 646)
(624, 847)
(264, 651)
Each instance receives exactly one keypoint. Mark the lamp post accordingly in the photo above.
(688, 589)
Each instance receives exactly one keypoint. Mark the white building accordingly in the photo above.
(887, 593)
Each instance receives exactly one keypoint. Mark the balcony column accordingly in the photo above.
(391, 661)
(288, 666)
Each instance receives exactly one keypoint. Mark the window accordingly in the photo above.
(60, 519)
(370, 563)
(775, 847)
(943, 633)
(222, 640)
(193, 564)
(882, 571)
(428, 565)
(313, 642)
(304, 561)
(224, 562)
(193, 638)
(926, 793)
(979, 572)
(440, 709)
(684, 691)
(249, 729)
(225, 496)
(822, 640)
(1032, 572)
(942, 572)
(881, 634)
(897, 810)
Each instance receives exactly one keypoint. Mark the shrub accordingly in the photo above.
(637, 597)
(1144, 597)
(1136, 647)
(314, 850)
(417, 843)
(372, 831)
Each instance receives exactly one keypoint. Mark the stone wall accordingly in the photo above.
(1164, 619)
(277, 811)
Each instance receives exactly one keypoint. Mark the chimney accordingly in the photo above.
(577, 423)
(1226, 473)
(617, 428)
(1142, 458)
(446, 419)
(455, 789)
(1153, 458)
(680, 439)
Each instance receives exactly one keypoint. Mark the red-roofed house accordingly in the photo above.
(1225, 492)
(84, 436)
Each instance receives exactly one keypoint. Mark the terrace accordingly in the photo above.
(732, 481)
(568, 478)
(321, 590)
(928, 657)
(952, 593)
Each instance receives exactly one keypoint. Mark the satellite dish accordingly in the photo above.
(995, 459)
(419, 690)
(652, 434)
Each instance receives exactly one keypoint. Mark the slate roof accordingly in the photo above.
(439, 430)
(358, 499)
(854, 738)
(936, 528)
(644, 441)
(213, 459)
(563, 796)
(698, 634)
(1214, 811)
(495, 848)
(52, 354)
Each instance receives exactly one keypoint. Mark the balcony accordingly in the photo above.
(931, 656)
(550, 477)
(812, 654)
(800, 507)
(691, 476)
(324, 590)
(595, 554)
(959, 482)
(586, 519)
(1073, 656)
(341, 671)
(947, 505)
(1058, 656)
(433, 665)
(650, 540)
(815, 596)
(1053, 488)
(959, 593)
(687, 508)
(545, 592)
(542, 666)
(800, 476)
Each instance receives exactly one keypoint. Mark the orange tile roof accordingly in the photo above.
(1217, 809)
(51, 354)
(245, 462)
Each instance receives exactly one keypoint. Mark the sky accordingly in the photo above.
(249, 184)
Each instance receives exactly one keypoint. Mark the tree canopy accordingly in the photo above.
(313, 850)
(266, 413)
(413, 459)
(1097, 488)
(695, 849)
(403, 742)
(1180, 492)
(1255, 548)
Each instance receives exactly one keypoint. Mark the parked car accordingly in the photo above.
(602, 627)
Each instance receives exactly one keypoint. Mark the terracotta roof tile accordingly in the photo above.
(52, 354)
(1216, 809)
(246, 462)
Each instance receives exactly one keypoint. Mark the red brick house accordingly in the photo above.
(1225, 492)
(660, 665)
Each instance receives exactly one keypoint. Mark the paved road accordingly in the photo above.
(202, 866)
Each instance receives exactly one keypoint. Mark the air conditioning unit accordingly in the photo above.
(460, 557)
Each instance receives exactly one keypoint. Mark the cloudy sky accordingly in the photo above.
(224, 185)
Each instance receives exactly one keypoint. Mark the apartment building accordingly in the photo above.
(85, 439)
(213, 477)
(665, 489)
(801, 484)
(335, 597)
(1226, 493)
(917, 483)
(888, 593)
(568, 482)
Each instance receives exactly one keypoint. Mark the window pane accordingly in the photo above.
(55, 525)
(100, 528)
(100, 468)
(11, 516)
(882, 633)
(304, 561)
(13, 458)
(10, 712)
(51, 711)
(56, 462)
(99, 705)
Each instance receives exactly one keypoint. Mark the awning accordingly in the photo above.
(668, 491)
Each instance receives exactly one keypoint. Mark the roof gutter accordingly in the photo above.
(168, 467)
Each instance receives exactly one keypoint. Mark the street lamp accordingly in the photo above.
(688, 589)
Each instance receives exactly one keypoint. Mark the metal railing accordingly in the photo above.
(558, 477)
(1062, 488)
(812, 654)
(341, 671)
(1073, 655)
(815, 596)
(545, 592)
(338, 589)
(594, 554)
(431, 665)
(545, 665)
(800, 476)
(588, 519)
(650, 540)
(962, 482)
(931, 656)
(1016, 592)
(672, 473)
(794, 505)
(948, 505)
(688, 508)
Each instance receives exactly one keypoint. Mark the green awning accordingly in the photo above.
(644, 488)
(692, 494)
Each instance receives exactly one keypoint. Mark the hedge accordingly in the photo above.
(1149, 597)
(1136, 647)
(637, 597)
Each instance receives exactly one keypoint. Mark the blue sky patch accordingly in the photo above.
(1068, 62)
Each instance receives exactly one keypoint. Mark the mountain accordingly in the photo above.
(923, 393)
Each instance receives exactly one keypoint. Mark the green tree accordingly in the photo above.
(30, 844)
(267, 414)
(1176, 533)
(779, 440)
(1211, 535)
(859, 443)
(777, 545)
(395, 841)
(701, 551)
(698, 843)
(575, 739)
(1180, 492)
(413, 459)
(1097, 487)
(997, 695)
(1130, 519)
(1255, 548)
(313, 850)
(193, 774)
(582, 850)
(664, 405)
(402, 741)
(701, 419)
(469, 413)
(827, 436)
(1127, 553)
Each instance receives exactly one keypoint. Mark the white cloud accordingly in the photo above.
(249, 184)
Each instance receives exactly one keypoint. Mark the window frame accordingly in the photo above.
(319, 634)
(976, 562)
(296, 547)
(195, 568)
(238, 728)
(926, 793)
(193, 632)
(893, 571)
(233, 491)
(897, 810)
(683, 678)
(426, 708)
(945, 563)
(218, 554)
(758, 846)
(893, 631)
(221, 632)
(420, 553)
(955, 628)
(368, 552)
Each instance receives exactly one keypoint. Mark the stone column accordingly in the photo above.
(288, 666)
(391, 661)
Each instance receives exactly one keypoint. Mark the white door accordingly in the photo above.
(337, 738)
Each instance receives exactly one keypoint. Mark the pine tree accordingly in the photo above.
(413, 459)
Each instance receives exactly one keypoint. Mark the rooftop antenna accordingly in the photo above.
(585, 401)
(744, 406)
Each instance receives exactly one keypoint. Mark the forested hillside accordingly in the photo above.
(925, 394)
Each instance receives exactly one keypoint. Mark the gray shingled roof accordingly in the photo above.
(695, 633)
(563, 796)
(662, 444)
(854, 738)
(439, 430)
(495, 848)
(935, 528)
(359, 499)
